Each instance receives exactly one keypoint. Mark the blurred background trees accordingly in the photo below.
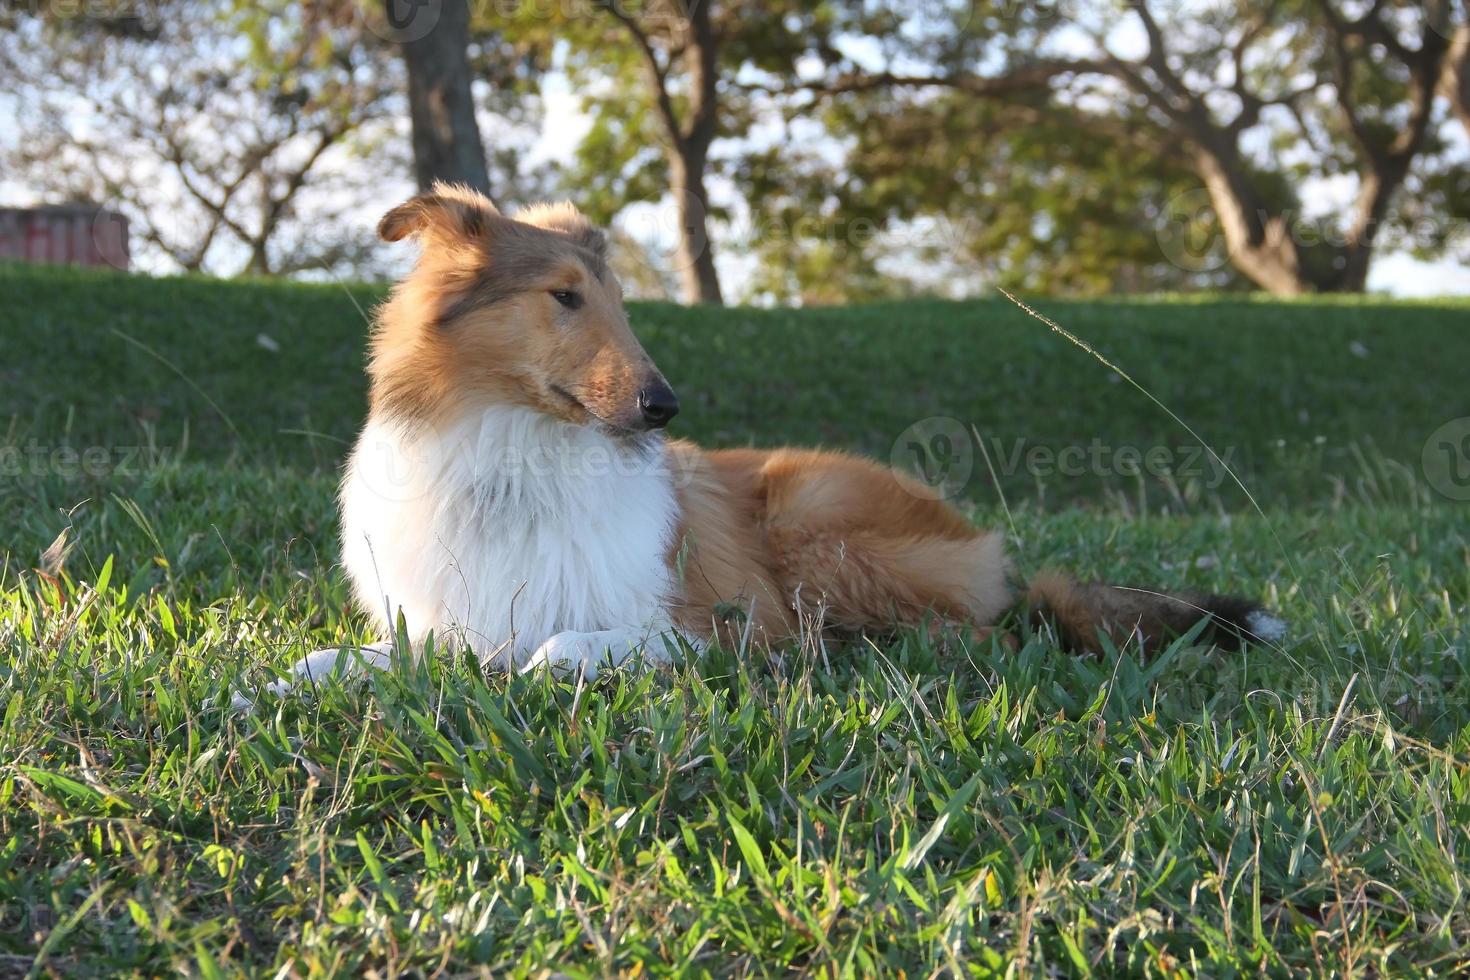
(206, 129)
(805, 151)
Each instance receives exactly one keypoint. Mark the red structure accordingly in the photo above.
(76, 234)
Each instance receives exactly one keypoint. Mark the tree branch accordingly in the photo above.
(1425, 68)
(1157, 57)
(654, 71)
(1026, 78)
(1342, 74)
(1252, 104)
(277, 204)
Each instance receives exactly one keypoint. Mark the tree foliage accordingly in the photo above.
(840, 149)
(1113, 114)
(203, 129)
(236, 137)
(658, 80)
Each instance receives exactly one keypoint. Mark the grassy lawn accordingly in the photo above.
(859, 810)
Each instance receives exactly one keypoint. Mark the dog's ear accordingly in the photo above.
(449, 211)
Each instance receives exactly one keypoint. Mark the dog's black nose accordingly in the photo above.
(658, 405)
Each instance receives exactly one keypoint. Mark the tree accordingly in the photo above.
(253, 137)
(205, 130)
(1455, 85)
(965, 194)
(457, 69)
(681, 58)
(1252, 98)
(692, 39)
(434, 38)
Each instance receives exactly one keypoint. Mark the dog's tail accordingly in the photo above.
(1084, 611)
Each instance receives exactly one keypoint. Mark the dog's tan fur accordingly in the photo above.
(787, 535)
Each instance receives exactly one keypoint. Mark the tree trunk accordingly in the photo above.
(1260, 245)
(687, 144)
(1288, 259)
(446, 137)
(260, 263)
(1379, 183)
(1456, 81)
(1271, 248)
(699, 281)
(696, 250)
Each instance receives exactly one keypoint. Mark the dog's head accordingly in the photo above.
(516, 310)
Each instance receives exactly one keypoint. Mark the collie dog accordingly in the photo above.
(513, 490)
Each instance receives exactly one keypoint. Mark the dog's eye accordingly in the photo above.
(567, 297)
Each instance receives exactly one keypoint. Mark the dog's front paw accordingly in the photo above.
(320, 667)
(568, 652)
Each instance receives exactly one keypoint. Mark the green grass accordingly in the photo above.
(867, 809)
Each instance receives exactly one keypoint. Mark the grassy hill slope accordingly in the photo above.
(272, 373)
(880, 807)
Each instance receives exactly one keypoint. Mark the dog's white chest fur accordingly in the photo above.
(507, 529)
